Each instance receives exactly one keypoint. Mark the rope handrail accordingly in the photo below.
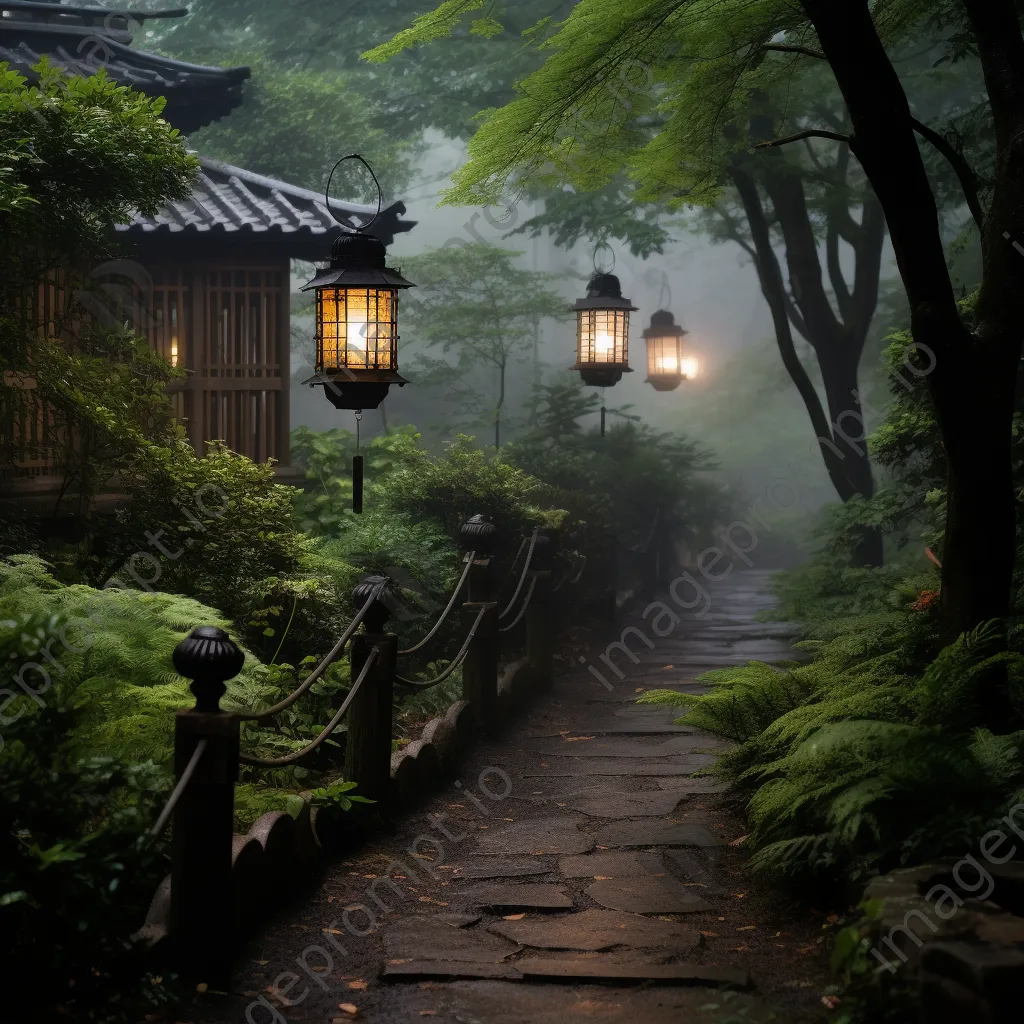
(274, 762)
(455, 662)
(512, 568)
(522, 578)
(172, 800)
(569, 578)
(447, 611)
(522, 611)
(336, 650)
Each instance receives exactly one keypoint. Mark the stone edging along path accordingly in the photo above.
(576, 868)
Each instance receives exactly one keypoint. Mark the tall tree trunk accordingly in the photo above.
(972, 381)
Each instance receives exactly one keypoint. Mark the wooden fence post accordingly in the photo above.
(478, 534)
(539, 626)
(480, 669)
(368, 744)
(201, 885)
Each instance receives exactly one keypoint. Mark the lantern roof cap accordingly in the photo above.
(604, 291)
(358, 260)
(663, 324)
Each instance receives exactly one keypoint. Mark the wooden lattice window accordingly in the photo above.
(243, 314)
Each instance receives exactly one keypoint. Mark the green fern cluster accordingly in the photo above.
(869, 756)
(114, 661)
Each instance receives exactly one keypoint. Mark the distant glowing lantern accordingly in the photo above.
(602, 332)
(666, 366)
(357, 323)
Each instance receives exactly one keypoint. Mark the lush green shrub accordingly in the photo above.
(76, 870)
(871, 755)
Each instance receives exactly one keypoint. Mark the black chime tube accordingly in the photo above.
(603, 411)
(357, 484)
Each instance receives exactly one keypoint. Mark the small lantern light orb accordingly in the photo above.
(357, 323)
(602, 332)
(689, 367)
(666, 366)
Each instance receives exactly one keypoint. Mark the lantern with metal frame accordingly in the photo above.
(665, 362)
(356, 318)
(602, 331)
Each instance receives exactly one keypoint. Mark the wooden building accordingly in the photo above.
(210, 275)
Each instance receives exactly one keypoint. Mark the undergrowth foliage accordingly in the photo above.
(869, 756)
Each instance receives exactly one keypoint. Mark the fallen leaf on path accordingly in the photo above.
(739, 842)
(831, 1001)
(747, 928)
(358, 984)
(514, 917)
(710, 935)
(576, 739)
(350, 1008)
(739, 949)
(603, 878)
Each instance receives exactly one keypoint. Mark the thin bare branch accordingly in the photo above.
(805, 50)
(964, 172)
(811, 133)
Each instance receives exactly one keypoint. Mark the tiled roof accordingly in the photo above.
(229, 200)
(196, 95)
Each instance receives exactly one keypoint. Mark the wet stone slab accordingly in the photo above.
(655, 833)
(612, 864)
(598, 747)
(537, 836)
(507, 1002)
(506, 898)
(578, 968)
(596, 930)
(501, 869)
(585, 769)
(627, 805)
(649, 895)
(695, 787)
(427, 937)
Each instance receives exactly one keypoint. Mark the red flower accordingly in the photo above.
(925, 600)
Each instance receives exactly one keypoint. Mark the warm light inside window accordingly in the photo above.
(601, 335)
(689, 368)
(356, 328)
(174, 350)
(663, 356)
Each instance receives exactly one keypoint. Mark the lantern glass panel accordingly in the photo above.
(356, 328)
(663, 356)
(601, 335)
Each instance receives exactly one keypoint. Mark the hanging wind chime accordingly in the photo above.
(356, 318)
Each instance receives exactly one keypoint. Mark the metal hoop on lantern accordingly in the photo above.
(356, 314)
(602, 328)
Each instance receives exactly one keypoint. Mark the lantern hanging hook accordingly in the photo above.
(380, 194)
(597, 249)
(665, 292)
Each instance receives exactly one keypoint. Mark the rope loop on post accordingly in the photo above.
(455, 662)
(175, 796)
(451, 604)
(522, 611)
(335, 652)
(277, 762)
(522, 578)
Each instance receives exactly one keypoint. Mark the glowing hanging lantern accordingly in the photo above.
(357, 323)
(602, 332)
(666, 366)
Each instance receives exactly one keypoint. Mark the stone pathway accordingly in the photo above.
(576, 870)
